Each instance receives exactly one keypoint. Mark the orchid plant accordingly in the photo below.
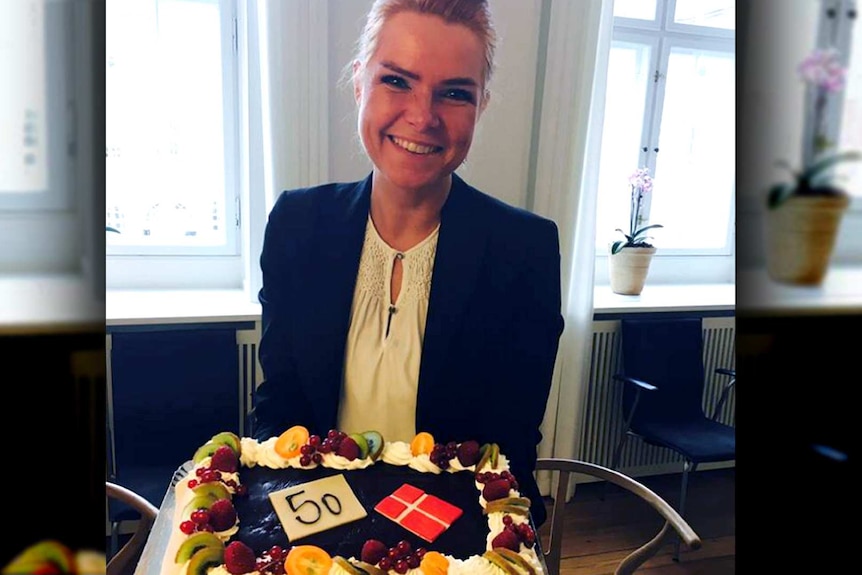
(823, 72)
(641, 183)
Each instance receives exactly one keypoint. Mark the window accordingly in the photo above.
(670, 106)
(172, 140)
(841, 27)
(44, 75)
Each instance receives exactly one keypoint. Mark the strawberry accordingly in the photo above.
(373, 551)
(496, 489)
(239, 558)
(224, 459)
(507, 539)
(468, 453)
(348, 448)
(222, 515)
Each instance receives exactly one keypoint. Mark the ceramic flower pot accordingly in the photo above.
(628, 269)
(800, 236)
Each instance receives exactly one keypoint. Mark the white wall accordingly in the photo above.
(499, 160)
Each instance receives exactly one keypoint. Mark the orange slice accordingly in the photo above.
(307, 560)
(434, 563)
(288, 443)
(422, 443)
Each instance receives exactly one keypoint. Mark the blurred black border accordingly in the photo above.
(798, 374)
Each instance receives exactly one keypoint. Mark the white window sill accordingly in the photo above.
(839, 294)
(163, 307)
(666, 298)
(34, 304)
(160, 307)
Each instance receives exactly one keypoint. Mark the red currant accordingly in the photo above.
(333, 433)
(314, 440)
(317, 458)
(507, 519)
(200, 516)
(385, 563)
(193, 483)
(412, 561)
(187, 527)
(401, 566)
(305, 460)
(276, 552)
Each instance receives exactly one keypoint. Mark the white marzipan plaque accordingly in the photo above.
(316, 506)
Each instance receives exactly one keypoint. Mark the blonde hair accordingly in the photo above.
(474, 14)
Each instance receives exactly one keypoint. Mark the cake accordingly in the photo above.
(349, 504)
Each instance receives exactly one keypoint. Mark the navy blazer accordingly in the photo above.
(492, 330)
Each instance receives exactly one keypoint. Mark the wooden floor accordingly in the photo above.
(598, 534)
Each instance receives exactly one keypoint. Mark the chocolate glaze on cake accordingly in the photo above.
(260, 528)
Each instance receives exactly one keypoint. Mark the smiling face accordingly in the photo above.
(420, 96)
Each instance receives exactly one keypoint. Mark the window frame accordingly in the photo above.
(41, 231)
(123, 259)
(673, 265)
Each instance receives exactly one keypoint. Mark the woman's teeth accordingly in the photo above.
(414, 148)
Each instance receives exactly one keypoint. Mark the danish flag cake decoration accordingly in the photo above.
(424, 515)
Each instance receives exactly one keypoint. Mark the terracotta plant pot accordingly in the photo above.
(628, 269)
(800, 236)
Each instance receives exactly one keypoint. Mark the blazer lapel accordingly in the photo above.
(332, 276)
(460, 248)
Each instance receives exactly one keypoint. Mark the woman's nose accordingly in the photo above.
(420, 112)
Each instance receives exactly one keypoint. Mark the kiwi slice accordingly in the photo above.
(369, 569)
(194, 542)
(500, 562)
(228, 438)
(205, 450)
(375, 443)
(361, 443)
(214, 489)
(204, 559)
(34, 558)
(516, 559)
(198, 502)
(348, 566)
(511, 509)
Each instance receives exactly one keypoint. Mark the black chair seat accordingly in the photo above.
(700, 440)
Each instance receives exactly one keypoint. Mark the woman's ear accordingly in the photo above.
(486, 97)
(357, 80)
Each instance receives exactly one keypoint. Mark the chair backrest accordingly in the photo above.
(630, 563)
(667, 353)
(125, 560)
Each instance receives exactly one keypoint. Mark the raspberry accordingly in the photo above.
(239, 558)
(496, 489)
(468, 453)
(373, 551)
(222, 515)
(224, 459)
(348, 449)
(507, 539)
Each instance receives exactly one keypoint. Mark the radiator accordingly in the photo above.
(603, 420)
(250, 372)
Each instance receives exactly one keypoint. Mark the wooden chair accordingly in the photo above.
(125, 560)
(633, 561)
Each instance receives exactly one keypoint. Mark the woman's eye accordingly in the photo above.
(459, 95)
(394, 81)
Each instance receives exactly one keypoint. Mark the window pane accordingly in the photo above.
(625, 99)
(165, 167)
(695, 166)
(23, 109)
(851, 118)
(640, 9)
(712, 13)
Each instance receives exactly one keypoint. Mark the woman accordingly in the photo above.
(410, 301)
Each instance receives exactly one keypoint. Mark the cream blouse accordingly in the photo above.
(381, 370)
